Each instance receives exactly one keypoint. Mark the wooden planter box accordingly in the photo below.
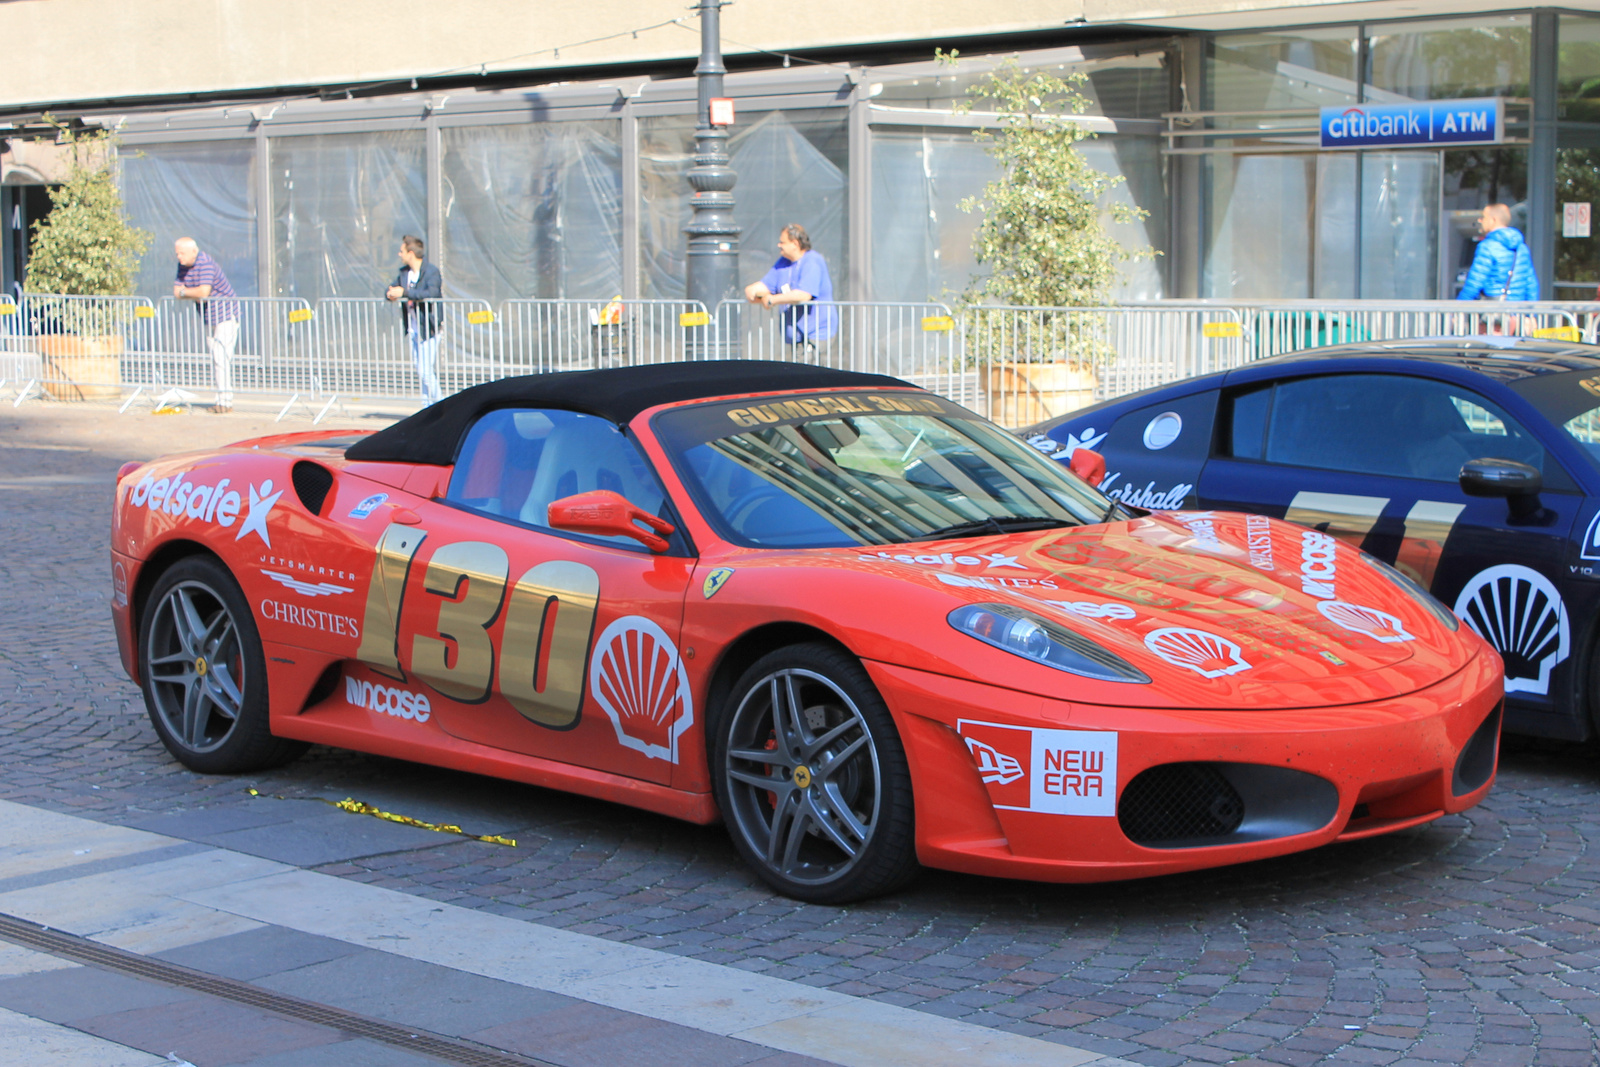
(82, 368)
(1021, 394)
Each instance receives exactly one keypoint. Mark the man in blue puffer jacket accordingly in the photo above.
(1502, 267)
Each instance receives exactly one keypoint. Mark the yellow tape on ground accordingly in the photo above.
(695, 318)
(1558, 333)
(300, 315)
(356, 807)
(478, 318)
(1222, 329)
(938, 323)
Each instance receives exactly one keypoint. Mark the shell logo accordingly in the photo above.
(1207, 654)
(1378, 625)
(637, 676)
(1520, 613)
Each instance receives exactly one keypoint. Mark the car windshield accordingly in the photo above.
(1571, 401)
(865, 468)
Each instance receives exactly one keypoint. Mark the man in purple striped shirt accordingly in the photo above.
(201, 280)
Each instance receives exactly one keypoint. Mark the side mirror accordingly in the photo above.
(608, 514)
(1517, 482)
(1089, 465)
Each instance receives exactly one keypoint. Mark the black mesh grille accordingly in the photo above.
(1477, 761)
(1179, 801)
(311, 484)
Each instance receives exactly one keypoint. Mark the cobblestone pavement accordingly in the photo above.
(1470, 941)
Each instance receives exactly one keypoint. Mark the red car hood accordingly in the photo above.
(1219, 609)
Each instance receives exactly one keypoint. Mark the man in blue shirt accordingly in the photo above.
(798, 283)
(201, 280)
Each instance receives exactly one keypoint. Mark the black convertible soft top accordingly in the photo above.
(432, 434)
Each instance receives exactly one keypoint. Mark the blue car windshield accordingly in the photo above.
(864, 468)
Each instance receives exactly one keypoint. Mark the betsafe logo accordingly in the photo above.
(217, 503)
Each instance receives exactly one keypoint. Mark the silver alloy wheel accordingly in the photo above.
(196, 666)
(803, 776)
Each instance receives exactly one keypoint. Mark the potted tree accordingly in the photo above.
(85, 247)
(1044, 246)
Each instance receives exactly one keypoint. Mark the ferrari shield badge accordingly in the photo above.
(716, 580)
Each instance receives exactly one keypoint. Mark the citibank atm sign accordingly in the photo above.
(1433, 122)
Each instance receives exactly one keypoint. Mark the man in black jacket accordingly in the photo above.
(417, 283)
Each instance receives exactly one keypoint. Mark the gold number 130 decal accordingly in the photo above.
(544, 652)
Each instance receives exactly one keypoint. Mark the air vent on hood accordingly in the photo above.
(311, 484)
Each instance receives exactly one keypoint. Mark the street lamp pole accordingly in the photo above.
(713, 259)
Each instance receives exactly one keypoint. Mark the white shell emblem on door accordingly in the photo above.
(638, 677)
(1518, 611)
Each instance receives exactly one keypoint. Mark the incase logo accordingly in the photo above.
(390, 701)
(1317, 565)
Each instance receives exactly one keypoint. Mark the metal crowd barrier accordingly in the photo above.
(275, 351)
(1278, 326)
(364, 349)
(1018, 365)
(559, 335)
(73, 347)
(1034, 363)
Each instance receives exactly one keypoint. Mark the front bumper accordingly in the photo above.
(1016, 785)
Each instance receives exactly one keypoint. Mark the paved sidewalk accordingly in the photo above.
(491, 982)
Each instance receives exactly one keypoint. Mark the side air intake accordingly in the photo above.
(311, 484)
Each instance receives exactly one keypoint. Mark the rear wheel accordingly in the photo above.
(812, 778)
(203, 672)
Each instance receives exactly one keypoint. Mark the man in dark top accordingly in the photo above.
(417, 283)
(201, 280)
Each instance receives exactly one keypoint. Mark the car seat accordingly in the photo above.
(581, 456)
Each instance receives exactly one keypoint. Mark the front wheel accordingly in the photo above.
(203, 672)
(812, 778)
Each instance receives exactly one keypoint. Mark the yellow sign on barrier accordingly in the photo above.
(144, 313)
(1222, 329)
(8, 309)
(480, 318)
(300, 315)
(1559, 333)
(694, 318)
(938, 324)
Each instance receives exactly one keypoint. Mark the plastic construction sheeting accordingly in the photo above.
(205, 190)
(533, 211)
(341, 203)
(790, 167)
(922, 240)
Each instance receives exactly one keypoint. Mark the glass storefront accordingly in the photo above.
(1287, 220)
(340, 204)
(202, 189)
(558, 201)
(1578, 153)
(792, 166)
(532, 211)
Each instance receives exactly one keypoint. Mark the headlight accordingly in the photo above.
(1446, 617)
(1032, 637)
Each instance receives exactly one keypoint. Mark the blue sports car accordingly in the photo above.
(1470, 464)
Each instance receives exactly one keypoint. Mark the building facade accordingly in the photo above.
(298, 145)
